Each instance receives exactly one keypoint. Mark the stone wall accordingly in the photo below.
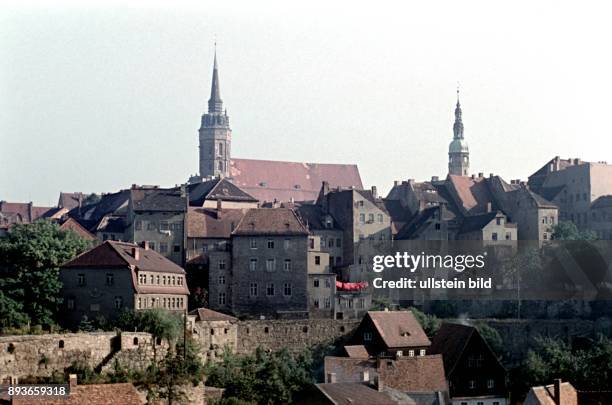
(41, 355)
(293, 335)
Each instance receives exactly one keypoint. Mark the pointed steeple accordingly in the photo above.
(215, 104)
(458, 125)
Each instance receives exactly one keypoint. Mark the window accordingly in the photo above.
(330, 242)
(220, 149)
(362, 218)
(318, 260)
(158, 279)
(315, 303)
(177, 248)
(422, 352)
(323, 242)
(287, 265)
(253, 243)
(142, 279)
(361, 303)
(221, 264)
(367, 336)
(508, 236)
(176, 226)
(110, 279)
(253, 264)
(163, 280)
(138, 225)
(490, 383)
(494, 236)
(270, 265)
(480, 403)
(221, 299)
(472, 384)
(81, 279)
(411, 353)
(286, 244)
(221, 280)
(327, 283)
(270, 244)
(151, 245)
(163, 226)
(327, 303)
(163, 247)
(380, 218)
(315, 283)
(70, 303)
(371, 218)
(498, 221)
(270, 290)
(253, 290)
(118, 302)
(150, 226)
(311, 243)
(287, 290)
(94, 307)
(338, 242)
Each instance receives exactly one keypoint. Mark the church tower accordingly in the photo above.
(215, 134)
(458, 151)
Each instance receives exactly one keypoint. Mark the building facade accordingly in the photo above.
(117, 275)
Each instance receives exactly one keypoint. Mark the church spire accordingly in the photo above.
(458, 125)
(215, 104)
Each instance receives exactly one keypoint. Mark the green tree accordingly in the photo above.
(263, 377)
(30, 258)
(568, 231)
(429, 323)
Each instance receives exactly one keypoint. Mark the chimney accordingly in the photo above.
(489, 207)
(136, 253)
(219, 205)
(557, 391)
(331, 378)
(491, 175)
(72, 381)
(374, 193)
(396, 183)
(145, 245)
(473, 176)
(480, 174)
(434, 178)
(31, 211)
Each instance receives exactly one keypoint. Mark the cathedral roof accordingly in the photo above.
(269, 180)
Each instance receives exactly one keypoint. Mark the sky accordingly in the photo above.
(98, 98)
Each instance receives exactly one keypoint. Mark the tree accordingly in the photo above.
(30, 258)
(568, 231)
(429, 323)
(263, 377)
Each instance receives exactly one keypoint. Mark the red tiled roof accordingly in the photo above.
(473, 194)
(268, 180)
(270, 221)
(545, 395)
(205, 314)
(355, 394)
(92, 394)
(119, 254)
(413, 374)
(399, 328)
(349, 369)
(356, 351)
(207, 223)
(23, 210)
(73, 225)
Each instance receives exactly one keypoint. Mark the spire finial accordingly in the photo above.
(214, 103)
(458, 104)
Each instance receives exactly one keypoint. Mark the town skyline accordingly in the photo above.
(99, 145)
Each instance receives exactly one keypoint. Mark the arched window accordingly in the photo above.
(220, 148)
(220, 166)
(61, 344)
(135, 341)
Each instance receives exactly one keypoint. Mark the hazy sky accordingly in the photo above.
(98, 99)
